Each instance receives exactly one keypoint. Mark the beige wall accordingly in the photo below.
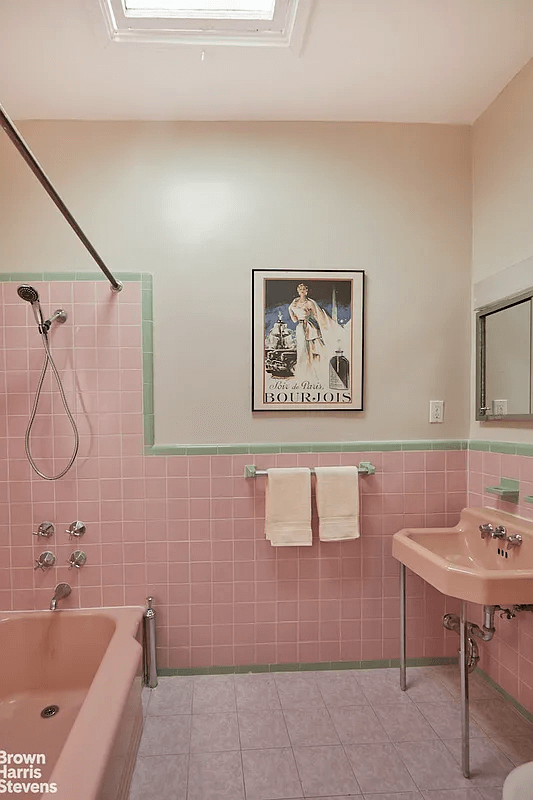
(201, 205)
(502, 212)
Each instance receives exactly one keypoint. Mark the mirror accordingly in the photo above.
(504, 359)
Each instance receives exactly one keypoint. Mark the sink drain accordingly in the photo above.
(49, 711)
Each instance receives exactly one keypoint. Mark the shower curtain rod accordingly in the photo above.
(31, 161)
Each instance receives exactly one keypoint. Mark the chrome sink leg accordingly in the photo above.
(403, 633)
(465, 711)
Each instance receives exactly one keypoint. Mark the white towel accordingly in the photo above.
(288, 507)
(337, 500)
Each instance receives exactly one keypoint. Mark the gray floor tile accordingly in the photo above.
(260, 730)
(423, 687)
(298, 690)
(479, 689)
(361, 708)
(270, 774)
(340, 688)
(432, 766)
(404, 723)
(166, 735)
(358, 725)
(211, 733)
(490, 793)
(160, 778)
(379, 768)
(325, 770)
(256, 691)
(310, 726)
(350, 797)
(382, 687)
(445, 719)
(517, 750)
(145, 699)
(488, 766)
(394, 796)
(172, 695)
(214, 694)
(498, 718)
(215, 776)
(452, 794)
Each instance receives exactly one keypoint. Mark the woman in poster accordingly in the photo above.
(311, 324)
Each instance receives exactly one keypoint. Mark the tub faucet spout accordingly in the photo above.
(62, 590)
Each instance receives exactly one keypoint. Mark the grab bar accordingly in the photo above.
(251, 471)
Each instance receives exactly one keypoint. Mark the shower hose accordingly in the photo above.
(49, 360)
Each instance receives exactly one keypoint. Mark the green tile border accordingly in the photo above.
(147, 326)
(508, 448)
(304, 447)
(319, 666)
(146, 281)
(510, 699)
(71, 277)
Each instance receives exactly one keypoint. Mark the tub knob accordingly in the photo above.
(45, 560)
(77, 559)
(45, 529)
(76, 529)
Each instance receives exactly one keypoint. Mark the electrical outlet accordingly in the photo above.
(499, 408)
(436, 410)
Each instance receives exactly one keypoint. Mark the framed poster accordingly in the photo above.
(307, 340)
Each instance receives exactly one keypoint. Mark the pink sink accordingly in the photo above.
(459, 563)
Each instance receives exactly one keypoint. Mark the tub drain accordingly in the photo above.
(49, 711)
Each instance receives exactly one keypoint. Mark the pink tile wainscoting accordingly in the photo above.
(189, 530)
(508, 658)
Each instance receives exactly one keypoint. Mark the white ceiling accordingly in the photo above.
(440, 61)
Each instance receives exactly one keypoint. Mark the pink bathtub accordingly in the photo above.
(87, 663)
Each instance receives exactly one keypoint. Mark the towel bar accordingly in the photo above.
(251, 471)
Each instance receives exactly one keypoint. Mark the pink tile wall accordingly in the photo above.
(189, 530)
(508, 658)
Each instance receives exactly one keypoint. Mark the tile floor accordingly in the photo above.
(328, 735)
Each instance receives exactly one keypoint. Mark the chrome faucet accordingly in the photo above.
(62, 590)
(514, 540)
(489, 532)
(486, 530)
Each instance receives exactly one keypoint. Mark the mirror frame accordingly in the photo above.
(482, 412)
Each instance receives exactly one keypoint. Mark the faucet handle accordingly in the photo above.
(486, 530)
(45, 530)
(500, 532)
(77, 559)
(45, 560)
(514, 540)
(76, 529)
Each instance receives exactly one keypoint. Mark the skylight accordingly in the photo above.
(277, 23)
(207, 9)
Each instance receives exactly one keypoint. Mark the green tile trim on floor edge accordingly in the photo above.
(319, 666)
(510, 699)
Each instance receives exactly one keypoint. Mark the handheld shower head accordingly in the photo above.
(28, 293)
(31, 295)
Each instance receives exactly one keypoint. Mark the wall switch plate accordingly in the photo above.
(436, 410)
(499, 408)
